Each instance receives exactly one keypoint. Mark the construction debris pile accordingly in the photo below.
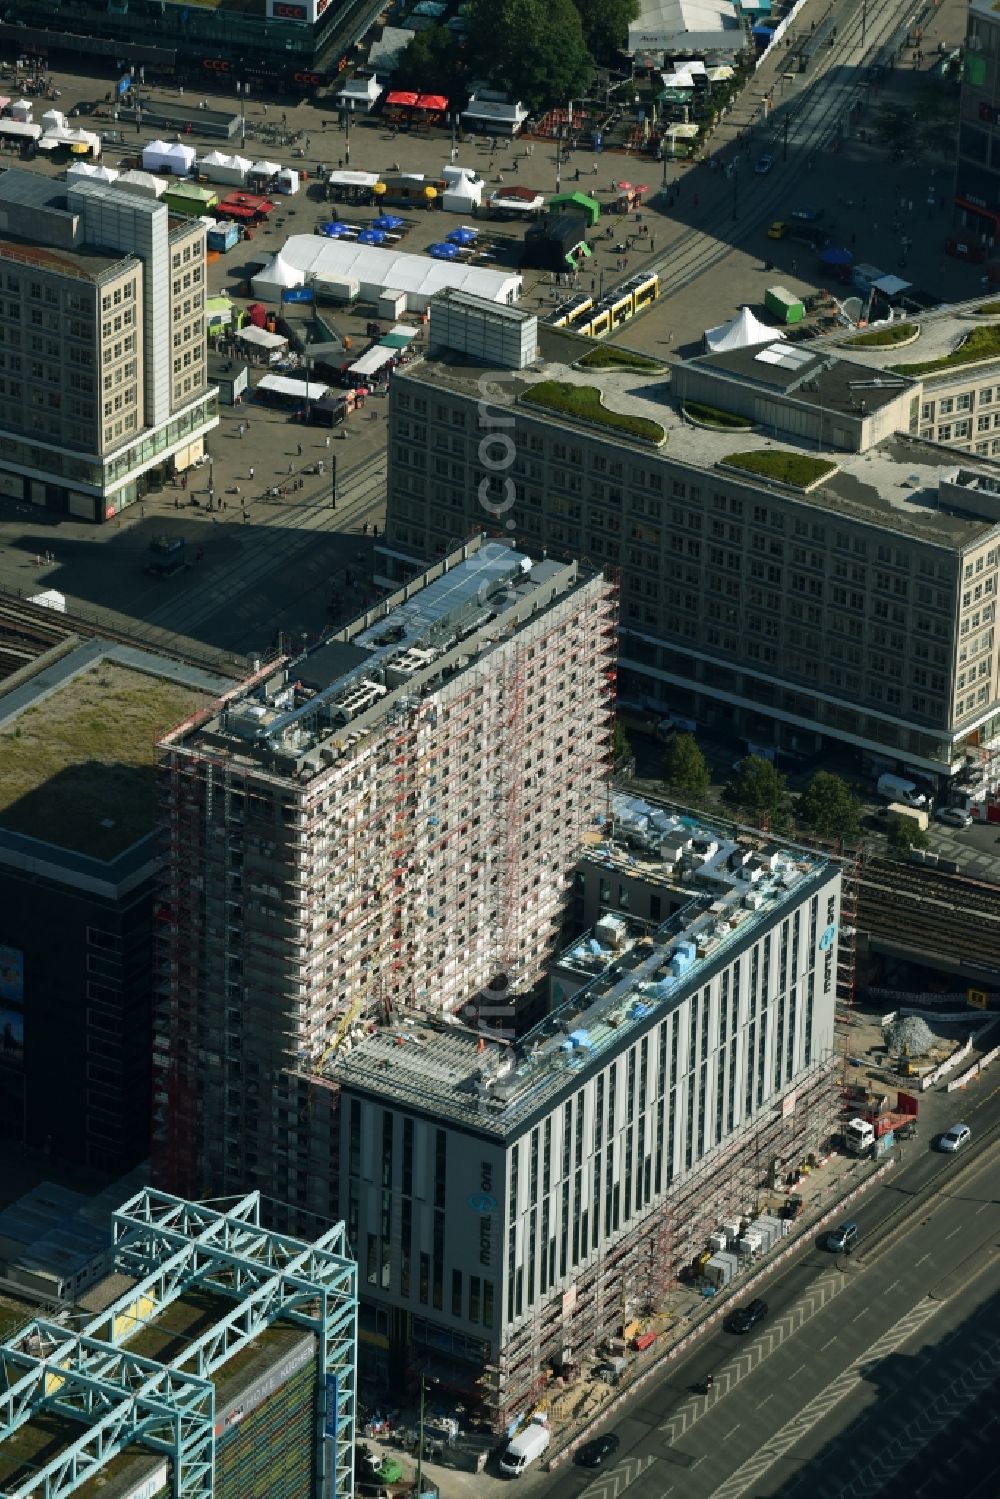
(908, 1035)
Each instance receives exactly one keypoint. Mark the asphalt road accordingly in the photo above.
(862, 1367)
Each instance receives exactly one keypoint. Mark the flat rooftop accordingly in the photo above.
(439, 1070)
(342, 691)
(895, 484)
(164, 1339)
(78, 756)
(942, 330)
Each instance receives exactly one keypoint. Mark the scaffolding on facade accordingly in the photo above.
(850, 886)
(630, 1277)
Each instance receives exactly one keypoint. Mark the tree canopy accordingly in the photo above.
(829, 807)
(904, 833)
(432, 63)
(684, 768)
(605, 25)
(533, 49)
(758, 788)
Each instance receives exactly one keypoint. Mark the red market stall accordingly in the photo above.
(244, 208)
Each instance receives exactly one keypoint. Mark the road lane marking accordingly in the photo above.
(863, 1313)
(749, 1473)
(893, 1286)
(732, 1430)
(953, 1233)
(828, 1342)
(924, 1257)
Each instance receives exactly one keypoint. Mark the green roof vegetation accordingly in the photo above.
(884, 338)
(798, 470)
(79, 767)
(584, 401)
(988, 309)
(714, 416)
(978, 343)
(617, 359)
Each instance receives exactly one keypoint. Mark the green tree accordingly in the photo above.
(758, 788)
(829, 807)
(684, 768)
(605, 25)
(533, 49)
(620, 745)
(903, 833)
(433, 64)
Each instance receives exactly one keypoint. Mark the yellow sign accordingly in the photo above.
(979, 998)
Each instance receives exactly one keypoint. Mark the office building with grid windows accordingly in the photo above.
(103, 374)
(808, 568)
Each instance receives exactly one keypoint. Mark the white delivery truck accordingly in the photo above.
(525, 1449)
(896, 789)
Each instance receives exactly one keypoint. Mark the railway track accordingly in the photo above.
(948, 915)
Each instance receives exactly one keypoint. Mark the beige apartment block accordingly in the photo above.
(103, 389)
(386, 826)
(847, 592)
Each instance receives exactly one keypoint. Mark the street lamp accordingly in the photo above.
(424, 1381)
(347, 134)
(243, 89)
(736, 187)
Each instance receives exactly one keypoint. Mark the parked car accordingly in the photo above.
(745, 1318)
(806, 215)
(763, 164)
(954, 817)
(955, 1138)
(841, 1240)
(778, 229)
(592, 1454)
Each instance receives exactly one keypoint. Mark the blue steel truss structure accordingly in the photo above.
(120, 1400)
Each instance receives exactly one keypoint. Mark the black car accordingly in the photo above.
(592, 1454)
(745, 1318)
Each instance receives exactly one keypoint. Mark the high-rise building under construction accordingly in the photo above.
(386, 825)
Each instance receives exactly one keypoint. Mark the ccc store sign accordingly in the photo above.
(311, 79)
(215, 65)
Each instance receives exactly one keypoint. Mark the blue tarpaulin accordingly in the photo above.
(334, 231)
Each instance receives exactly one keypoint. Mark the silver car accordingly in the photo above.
(955, 1138)
(953, 817)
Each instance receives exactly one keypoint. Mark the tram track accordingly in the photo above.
(169, 627)
(821, 105)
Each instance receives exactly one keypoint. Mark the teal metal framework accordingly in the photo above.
(172, 1247)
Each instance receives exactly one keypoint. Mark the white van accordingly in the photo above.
(896, 789)
(525, 1449)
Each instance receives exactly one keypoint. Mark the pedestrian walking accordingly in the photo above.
(328, 439)
(298, 449)
(290, 468)
(251, 471)
(513, 167)
(241, 429)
